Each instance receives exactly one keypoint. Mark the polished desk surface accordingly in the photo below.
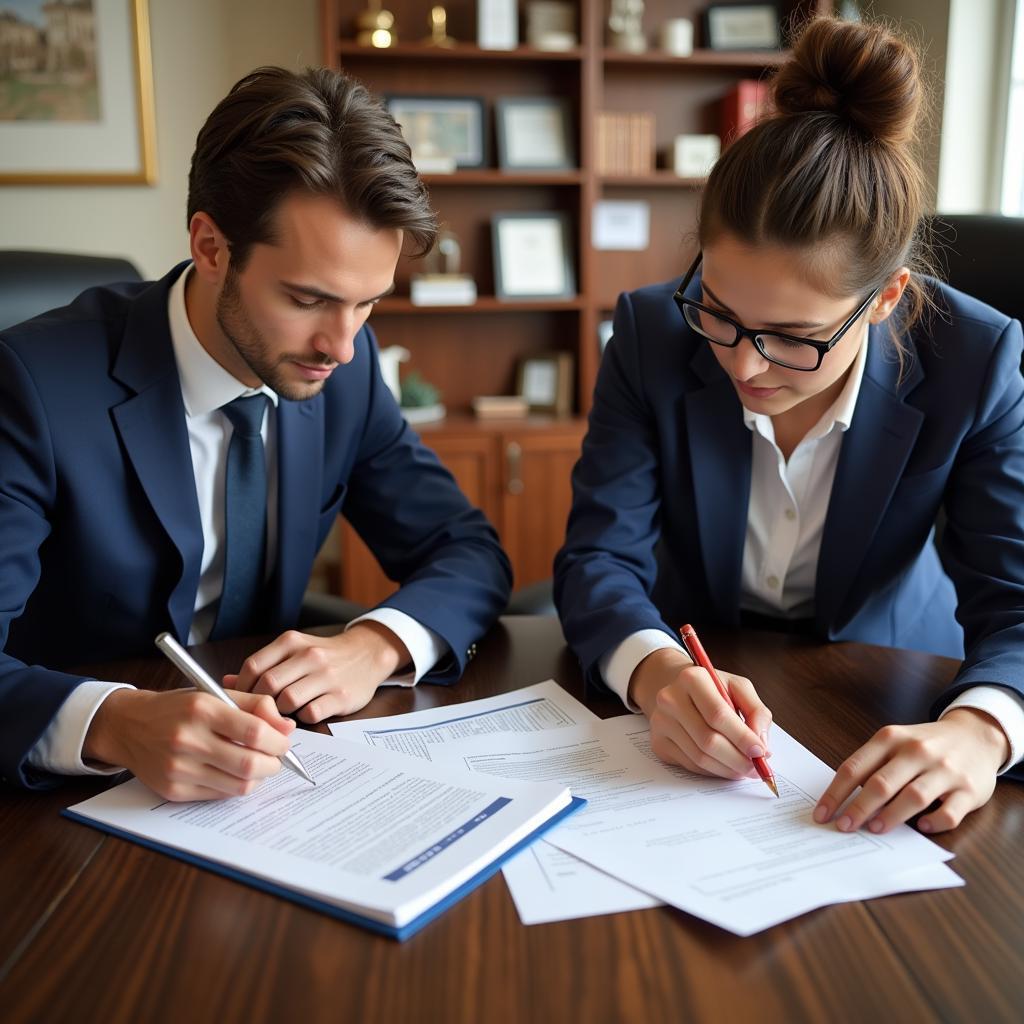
(96, 928)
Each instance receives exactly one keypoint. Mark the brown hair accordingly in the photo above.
(833, 171)
(318, 132)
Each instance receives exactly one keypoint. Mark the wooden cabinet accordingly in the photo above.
(517, 472)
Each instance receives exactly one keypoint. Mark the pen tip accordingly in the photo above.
(770, 783)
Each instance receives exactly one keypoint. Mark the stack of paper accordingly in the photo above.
(728, 852)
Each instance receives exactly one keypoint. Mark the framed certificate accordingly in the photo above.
(532, 256)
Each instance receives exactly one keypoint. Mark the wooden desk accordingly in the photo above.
(95, 928)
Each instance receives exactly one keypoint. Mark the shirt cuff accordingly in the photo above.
(1006, 706)
(424, 645)
(59, 749)
(617, 666)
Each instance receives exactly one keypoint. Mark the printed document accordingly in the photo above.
(546, 883)
(728, 852)
(379, 836)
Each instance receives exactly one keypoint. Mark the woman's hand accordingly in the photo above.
(903, 769)
(691, 725)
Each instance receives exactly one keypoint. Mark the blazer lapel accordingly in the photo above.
(300, 460)
(719, 444)
(873, 455)
(151, 425)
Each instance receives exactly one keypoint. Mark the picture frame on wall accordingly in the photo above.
(532, 256)
(742, 27)
(545, 383)
(76, 96)
(445, 133)
(534, 133)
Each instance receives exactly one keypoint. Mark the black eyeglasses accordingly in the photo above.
(786, 350)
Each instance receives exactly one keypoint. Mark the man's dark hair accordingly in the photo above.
(318, 133)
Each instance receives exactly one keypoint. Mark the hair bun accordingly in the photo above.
(862, 73)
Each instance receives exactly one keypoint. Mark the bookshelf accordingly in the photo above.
(473, 350)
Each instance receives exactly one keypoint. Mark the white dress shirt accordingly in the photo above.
(785, 522)
(205, 387)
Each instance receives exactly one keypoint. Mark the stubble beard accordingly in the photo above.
(236, 325)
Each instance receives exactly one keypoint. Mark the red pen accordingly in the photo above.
(696, 651)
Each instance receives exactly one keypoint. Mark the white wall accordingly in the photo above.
(200, 47)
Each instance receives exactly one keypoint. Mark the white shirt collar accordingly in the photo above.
(839, 414)
(205, 384)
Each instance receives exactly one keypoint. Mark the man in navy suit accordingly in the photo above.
(173, 454)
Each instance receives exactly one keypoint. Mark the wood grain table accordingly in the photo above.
(96, 928)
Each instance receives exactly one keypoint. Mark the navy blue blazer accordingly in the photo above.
(100, 536)
(660, 494)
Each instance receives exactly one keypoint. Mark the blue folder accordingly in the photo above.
(340, 913)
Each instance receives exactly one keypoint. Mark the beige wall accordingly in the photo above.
(200, 47)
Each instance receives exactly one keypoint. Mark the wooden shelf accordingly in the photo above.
(699, 59)
(493, 176)
(463, 51)
(484, 304)
(656, 179)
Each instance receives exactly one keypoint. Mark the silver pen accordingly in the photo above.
(202, 680)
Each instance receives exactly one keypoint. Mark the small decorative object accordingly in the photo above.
(625, 26)
(443, 132)
(742, 107)
(545, 382)
(551, 26)
(532, 256)
(442, 284)
(677, 37)
(389, 359)
(693, 156)
(420, 400)
(439, 28)
(621, 224)
(376, 27)
(625, 144)
(500, 407)
(534, 134)
(742, 27)
(76, 93)
(497, 24)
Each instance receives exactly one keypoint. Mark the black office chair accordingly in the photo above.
(979, 254)
(34, 282)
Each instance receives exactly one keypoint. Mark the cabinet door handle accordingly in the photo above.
(514, 458)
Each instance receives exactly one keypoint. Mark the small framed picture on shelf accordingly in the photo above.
(544, 382)
(532, 256)
(742, 27)
(534, 133)
(443, 132)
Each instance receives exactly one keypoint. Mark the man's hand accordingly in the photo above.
(691, 725)
(319, 677)
(903, 769)
(187, 745)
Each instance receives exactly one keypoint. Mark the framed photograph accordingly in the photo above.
(76, 93)
(443, 132)
(742, 27)
(545, 383)
(534, 133)
(532, 256)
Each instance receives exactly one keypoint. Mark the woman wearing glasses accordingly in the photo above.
(772, 439)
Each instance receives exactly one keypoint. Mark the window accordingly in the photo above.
(1013, 155)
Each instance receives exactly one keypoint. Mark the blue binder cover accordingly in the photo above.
(340, 913)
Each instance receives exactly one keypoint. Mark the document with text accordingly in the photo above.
(546, 883)
(728, 852)
(380, 839)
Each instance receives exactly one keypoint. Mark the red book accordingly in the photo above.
(742, 107)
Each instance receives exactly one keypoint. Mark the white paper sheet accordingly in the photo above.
(379, 834)
(547, 884)
(728, 852)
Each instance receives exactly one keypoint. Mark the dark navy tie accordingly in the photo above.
(245, 519)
